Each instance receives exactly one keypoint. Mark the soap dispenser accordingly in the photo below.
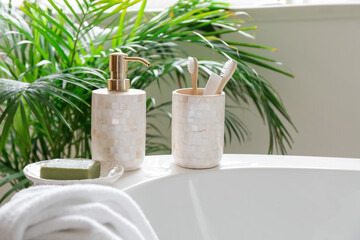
(118, 118)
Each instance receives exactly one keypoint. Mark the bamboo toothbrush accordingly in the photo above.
(193, 70)
(226, 73)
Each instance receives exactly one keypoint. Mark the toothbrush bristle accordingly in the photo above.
(228, 68)
(191, 65)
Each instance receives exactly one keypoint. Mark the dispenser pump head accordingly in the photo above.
(118, 69)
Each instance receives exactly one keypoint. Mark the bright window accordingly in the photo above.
(157, 5)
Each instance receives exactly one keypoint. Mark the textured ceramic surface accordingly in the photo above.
(108, 175)
(118, 127)
(197, 128)
(250, 197)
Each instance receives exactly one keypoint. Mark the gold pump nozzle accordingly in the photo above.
(118, 69)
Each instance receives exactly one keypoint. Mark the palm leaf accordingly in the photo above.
(10, 176)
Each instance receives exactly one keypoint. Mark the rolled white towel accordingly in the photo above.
(90, 212)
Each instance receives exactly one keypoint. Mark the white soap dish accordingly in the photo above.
(110, 172)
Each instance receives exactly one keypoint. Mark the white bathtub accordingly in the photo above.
(251, 197)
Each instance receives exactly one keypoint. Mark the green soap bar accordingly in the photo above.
(70, 169)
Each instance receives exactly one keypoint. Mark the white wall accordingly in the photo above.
(320, 45)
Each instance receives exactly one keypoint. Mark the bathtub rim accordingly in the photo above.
(232, 161)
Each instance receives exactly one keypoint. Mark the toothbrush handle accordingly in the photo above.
(222, 85)
(194, 83)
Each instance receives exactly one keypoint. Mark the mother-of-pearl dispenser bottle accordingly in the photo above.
(118, 118)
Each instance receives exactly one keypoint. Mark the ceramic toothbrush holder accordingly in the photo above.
(197, 128)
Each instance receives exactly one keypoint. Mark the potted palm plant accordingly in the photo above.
(52, 55)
